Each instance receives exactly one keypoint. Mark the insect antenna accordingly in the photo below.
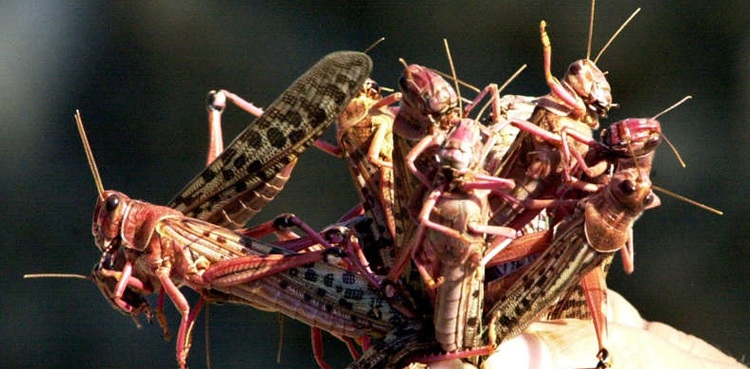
(56, 275)
(453, 72)
(462, 83)
(206, 335)
(635, 162)
(624, 24)
(674, 149)
(687, 200)
(664, 190)
(501, 88)
(89, 155)
(591, 30)
(406, 67)
(280, 344)
(372, 46)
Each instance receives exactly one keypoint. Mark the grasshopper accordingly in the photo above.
(147, 248)
(364, 136)
(453, 222)
(162, 250)
(584, 241)
(540, 159)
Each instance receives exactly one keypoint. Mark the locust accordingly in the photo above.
(451, 241)
(625, 145)
(364, 137)
(542, 156)
(429, 109)
(551, 146)
(584, 241)
(163, 250)
(147, 248)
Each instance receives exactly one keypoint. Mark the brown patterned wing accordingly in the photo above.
(289, 125)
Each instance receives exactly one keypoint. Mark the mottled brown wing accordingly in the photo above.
(287, 127)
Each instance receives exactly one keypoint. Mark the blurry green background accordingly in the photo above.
(139, 72)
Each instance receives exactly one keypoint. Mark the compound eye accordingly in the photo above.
(627, 187)
(112, 202)
(648, 200)
(402, 83)
(574, 68)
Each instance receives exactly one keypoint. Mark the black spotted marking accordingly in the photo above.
(289, 99)
(543, 279)
(318, 115)
(311, 275)
(228, 174)
(348, 278)
(328, 307)
(353, 293)
(293, 272)
(472, 321)
(306, 297)
(240, 160)
(294, 119)
(283, 285)
(240, 187)
(272, 114)
(255, 165)
(297, 135)
(328, 280)
(301, 114)
(321, 292)
(277, 137)
(208, 175)
(221, 239)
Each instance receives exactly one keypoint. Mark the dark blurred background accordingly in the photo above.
(139, 72)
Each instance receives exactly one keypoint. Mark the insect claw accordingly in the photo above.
(216, 101)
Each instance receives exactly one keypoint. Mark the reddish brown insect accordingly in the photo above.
(147, 248)
(584, 241)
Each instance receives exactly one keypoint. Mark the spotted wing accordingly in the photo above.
(288, 126)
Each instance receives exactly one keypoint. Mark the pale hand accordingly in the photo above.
(634, 344)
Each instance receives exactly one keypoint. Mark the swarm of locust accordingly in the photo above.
(469, 228)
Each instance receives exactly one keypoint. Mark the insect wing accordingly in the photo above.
(289, 125)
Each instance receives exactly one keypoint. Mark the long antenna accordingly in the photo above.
(674, 149)
(453, 72)
(591, 29)
(667, 110)
(55, 275)
(616, 33)
(372, 46)
(89, 155)
(511, 78)
(687, 200)
(501, 88)
(462, 83)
